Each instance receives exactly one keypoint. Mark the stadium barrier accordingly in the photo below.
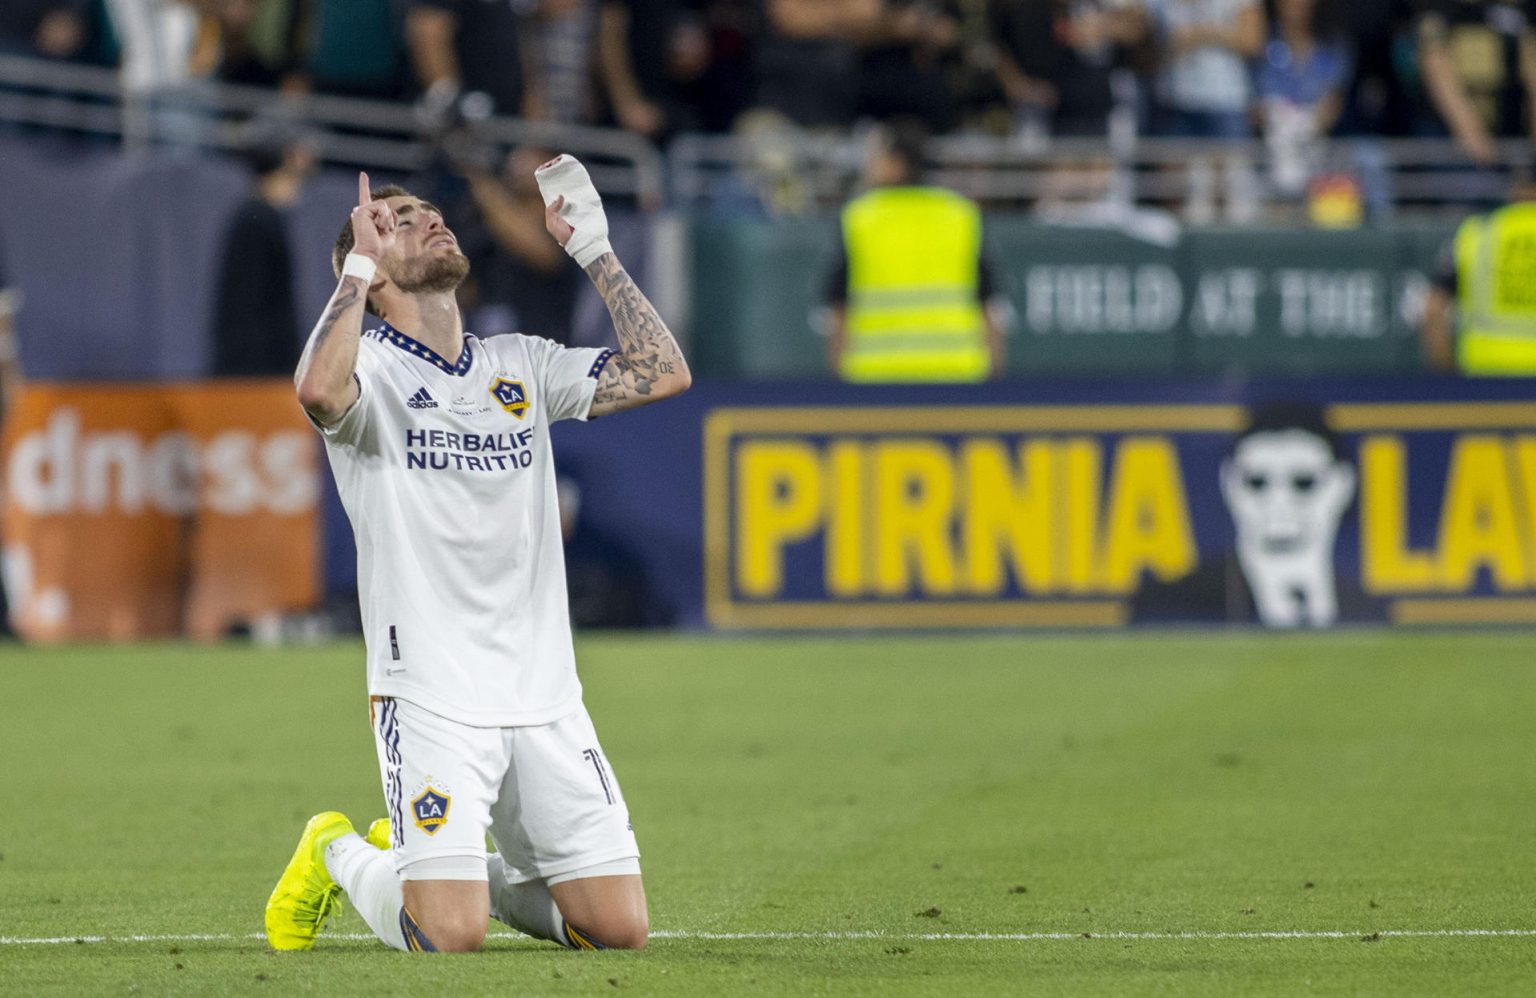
(1074, 503)
(1098, 300)
(743, 292)
(158, 510)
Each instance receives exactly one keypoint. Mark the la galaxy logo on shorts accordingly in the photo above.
(431, 810)
(511, 395)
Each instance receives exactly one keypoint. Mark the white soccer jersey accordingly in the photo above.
(446, 474)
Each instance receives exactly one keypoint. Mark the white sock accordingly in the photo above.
(372, 885)
(527, 907)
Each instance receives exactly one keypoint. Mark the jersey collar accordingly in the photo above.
(390, 334)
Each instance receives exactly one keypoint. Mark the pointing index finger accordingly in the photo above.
(364, 195)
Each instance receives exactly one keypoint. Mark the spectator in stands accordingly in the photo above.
(654, 56)
(467, 46)
(166, 50)
(525, 284)
(352, 48)
(1478, 59)
(1301, 86)
(163, 45)
(58, 29)
(259, 43)
(727, 88)
(561, 60)
(908, 295)
(1204, 91)
(256, 330)
(1056, 60)
(905, 63)
(1479, 316)
(1377, 99)
(807, 59)
(54, 29)
(1306, 62)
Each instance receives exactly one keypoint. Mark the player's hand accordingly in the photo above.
(573, 211)
(557, 226)
(373, 223)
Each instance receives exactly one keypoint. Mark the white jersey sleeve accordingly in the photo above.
(567, 375)
(354, 427)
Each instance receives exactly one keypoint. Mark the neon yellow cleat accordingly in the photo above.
(378, 834)
(306, 895)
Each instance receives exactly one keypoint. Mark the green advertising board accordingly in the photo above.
(1292, 301)
(1087, 300)
(756, 287)
(1097, 300)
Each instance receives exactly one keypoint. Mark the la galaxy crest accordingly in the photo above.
(430, 809)
(511, 396)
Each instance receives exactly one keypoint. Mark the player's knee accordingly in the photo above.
(454, 932)
(457, 938)
(632, 937)
(625, 932)
(462, 941)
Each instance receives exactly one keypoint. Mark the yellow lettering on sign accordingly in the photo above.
(1525, 469)
(1387, 564)
(778, 503)
(1082, 459)
(1477, 526)
(1147, 526)
(914, 499)
(846, 564)
(1008, 515)
(915, 517)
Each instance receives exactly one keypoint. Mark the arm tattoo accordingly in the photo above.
(647, 350)
(346, 297)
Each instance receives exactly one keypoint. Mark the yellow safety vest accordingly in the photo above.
(1496, 293)
(913, 309)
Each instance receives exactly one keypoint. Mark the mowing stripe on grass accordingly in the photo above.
(1026, 937)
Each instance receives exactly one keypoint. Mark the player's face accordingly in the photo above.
(1285, 491)
(426, 256)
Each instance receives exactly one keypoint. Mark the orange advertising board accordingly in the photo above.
(158, 510)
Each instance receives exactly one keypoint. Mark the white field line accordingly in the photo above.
(1023, 937)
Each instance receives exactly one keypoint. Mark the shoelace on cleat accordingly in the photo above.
(328, 904)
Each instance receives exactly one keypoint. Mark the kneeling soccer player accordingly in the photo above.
(440, 446)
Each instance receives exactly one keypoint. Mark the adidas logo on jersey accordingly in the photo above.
(421, 400)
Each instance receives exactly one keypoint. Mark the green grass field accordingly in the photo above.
(1182, 814)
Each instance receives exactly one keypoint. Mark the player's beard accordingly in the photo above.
(433, 274)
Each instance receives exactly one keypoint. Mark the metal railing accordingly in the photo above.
(791, 172)
(784, 171)
(372, 133)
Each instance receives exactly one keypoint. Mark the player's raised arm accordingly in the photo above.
(324, 378)
(649, 365)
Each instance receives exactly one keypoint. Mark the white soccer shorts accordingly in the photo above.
(545, 793)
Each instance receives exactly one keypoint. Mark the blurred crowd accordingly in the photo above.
(1462, 69)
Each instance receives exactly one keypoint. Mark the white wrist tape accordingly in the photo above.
(357, 265)
(564, 176)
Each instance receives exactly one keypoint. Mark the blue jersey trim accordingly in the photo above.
(389, 334)
(597, 365)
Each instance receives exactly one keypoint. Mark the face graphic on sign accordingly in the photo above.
(1287, 489)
